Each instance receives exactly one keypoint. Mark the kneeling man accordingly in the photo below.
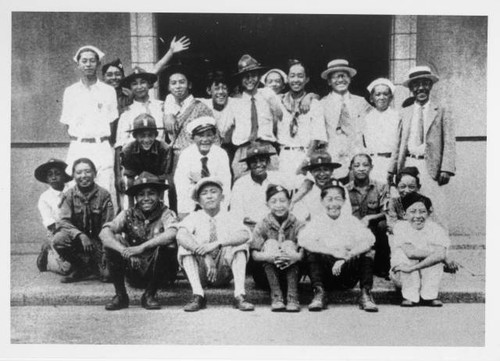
(147, 251)
(213, 246)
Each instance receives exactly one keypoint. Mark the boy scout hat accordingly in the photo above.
(138, 72)
(338, 65)
(144, 180)
(199, 125)
(420, 72)
(246, 64)
(202, 183)
(272, 189)
(98, 52)
(257, 149)
(41, 170)
(320, 159)
(144, 121)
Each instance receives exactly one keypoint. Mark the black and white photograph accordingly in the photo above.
(215, 179)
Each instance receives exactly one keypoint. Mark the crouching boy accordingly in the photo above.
(147, 251)
(213, 246)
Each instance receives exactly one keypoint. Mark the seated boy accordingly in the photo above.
(144, 154)
(201, 159)
(53, 173)
(213, 246)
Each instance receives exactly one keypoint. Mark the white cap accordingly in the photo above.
(381, 81)
(99, 53)
(204, 122)
(275, 70)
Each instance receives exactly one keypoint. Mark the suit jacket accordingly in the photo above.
(439, 142)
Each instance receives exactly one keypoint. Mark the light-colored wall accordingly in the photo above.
(43, 45)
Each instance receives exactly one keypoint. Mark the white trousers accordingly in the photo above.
(423, 283)
(289, 162)
(380, 167)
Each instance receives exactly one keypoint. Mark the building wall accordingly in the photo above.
(43, 45)
(456, 48)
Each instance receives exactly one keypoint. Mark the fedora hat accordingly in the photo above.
(338, 65)
(41, 170)
(203, 182)
(320, 159)
(142, 122)
(257, 149)
(420, 72)
(144, 180)
(138, 72)
(247, 63)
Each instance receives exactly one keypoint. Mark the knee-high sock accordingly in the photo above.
(238, 267)
(192, 271)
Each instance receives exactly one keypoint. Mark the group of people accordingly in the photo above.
(272, 181)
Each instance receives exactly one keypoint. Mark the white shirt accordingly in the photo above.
(198, 224)
(381, 130)
(224, 118)
(89, 110)
(335, 237)
(311, 126)
(268, 109)
(188, 173)
(310, 206)
(425, 239)
(48, 205)
(248, 198)
(413, 146)
(152, 107)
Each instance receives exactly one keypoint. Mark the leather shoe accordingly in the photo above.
(197, 303)
(241, 304)
(117, 303)
(366, 302)
(277, 305)
(78, 276)
(408, 303)
(149, 302)
(318, 302)
(431, 303)
(292, 305)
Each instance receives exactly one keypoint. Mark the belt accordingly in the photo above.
(90, 140)
(415, 156)
(294, 148)
(385, 155)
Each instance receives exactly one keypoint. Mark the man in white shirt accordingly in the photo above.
(213, 246)
(344, 113)
(199, 160)
(89, 106)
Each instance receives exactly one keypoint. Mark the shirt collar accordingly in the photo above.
(136, 148)
(273, 223)
(350, 186)
(345, 97)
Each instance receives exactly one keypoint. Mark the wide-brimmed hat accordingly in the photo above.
(144, 121)
(338, 65)
(41, 170)
(257, 149)
(420, 72)
(199, 125)
(320, 159)
(138, 72)
(381, 81)
(202, 183)
(144, 180)
(98, 52)
(275, 70)
(247, 63)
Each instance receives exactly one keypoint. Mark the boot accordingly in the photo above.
(318, 302)
(118, 302)
(277, 304)
(366, 301)
(292, 298)
(292, 304)
(149, 301)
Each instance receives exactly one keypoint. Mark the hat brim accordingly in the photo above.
(432, 77)
(259, 69)
(268, 154)
(41, 171)
(132, 191)
(149, 77)
(332, 165)
(202, 128)
(351, 71)
(143, 128)
(196, 190)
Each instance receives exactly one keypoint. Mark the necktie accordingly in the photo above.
(204, 169)
(420, 127)
(344, 120)
(254, 120)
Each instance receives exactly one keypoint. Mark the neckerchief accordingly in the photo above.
(87, 211)
(292, 106)
(140, 222)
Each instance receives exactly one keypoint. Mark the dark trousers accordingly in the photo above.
(276, 278)
(382, 262)
(155, 270)
(359, 268)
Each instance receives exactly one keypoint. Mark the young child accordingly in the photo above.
(53, 173)
(419, 248)
(144, 154)
(275, 244)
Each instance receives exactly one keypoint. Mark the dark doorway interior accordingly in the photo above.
(222, 39)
